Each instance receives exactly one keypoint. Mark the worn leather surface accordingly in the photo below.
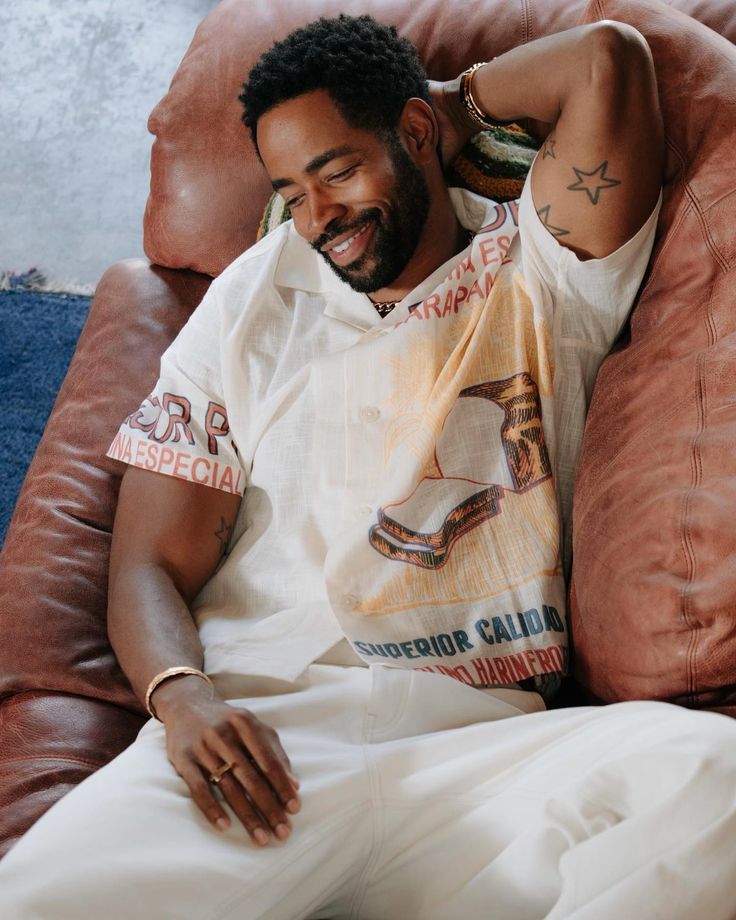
(653, 600)
(45, 751)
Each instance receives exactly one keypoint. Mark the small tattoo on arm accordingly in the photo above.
(544, 217)
(548, 149)
(592, 183)
(223, 535)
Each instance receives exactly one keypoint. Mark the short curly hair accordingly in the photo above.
(368, 69)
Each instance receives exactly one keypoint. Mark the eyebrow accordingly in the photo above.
(316, 164)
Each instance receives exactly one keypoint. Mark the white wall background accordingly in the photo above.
(78, 79)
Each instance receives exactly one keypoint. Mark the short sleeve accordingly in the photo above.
(181, 428)
(585, 303)
(590, 299)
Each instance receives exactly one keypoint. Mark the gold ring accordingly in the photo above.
(220, 772)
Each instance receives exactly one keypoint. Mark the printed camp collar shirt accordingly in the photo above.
(407, 481)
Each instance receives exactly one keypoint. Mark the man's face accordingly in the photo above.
(356, 197)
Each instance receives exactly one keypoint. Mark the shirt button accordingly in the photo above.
(349, 601)
(369, 414)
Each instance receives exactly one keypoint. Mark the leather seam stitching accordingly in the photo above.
(705, 228)
(696, 463)
(527, 22)
(95, 764)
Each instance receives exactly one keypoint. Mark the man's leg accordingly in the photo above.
(596, 813)
(130, 843)
(425, 802)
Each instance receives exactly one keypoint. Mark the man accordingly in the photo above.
(396, 381)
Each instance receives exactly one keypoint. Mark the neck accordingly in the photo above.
(441, 238)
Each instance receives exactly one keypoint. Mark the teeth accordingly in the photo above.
(344, 246)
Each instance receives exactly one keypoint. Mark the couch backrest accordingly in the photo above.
(653, 602)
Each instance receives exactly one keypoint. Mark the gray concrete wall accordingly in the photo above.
(78, 79)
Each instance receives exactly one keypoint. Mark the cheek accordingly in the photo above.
(299, 216)
(372, 193)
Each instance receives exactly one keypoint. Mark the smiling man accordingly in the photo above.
(337, 578)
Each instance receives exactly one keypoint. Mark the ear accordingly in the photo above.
(418, 130)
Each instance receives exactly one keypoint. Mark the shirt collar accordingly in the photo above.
(301, 268)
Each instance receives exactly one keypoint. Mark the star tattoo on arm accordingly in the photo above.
(223, 535)
(548, 149)
(544, 217)
(592, 183)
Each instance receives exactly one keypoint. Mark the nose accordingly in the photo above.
(323, 209)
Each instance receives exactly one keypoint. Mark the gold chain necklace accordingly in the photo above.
(384, 307)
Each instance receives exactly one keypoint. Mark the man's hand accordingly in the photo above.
(204, 733)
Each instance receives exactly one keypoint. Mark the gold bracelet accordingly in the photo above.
(165, 675)
(471, 106)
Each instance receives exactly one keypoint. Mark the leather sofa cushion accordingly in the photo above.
(653, 599)
(46, 751)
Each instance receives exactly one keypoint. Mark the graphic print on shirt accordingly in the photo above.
(522, 438)
(460, 571)
(168, 434)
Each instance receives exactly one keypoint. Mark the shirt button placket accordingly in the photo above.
(369, 414)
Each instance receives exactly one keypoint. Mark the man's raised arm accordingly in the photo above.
(168, 538)
(598, 175)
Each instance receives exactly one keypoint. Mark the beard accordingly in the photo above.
(396, 234)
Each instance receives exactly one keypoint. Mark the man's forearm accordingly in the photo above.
(151, 629)
(599, 174)
(537, 80)
(167, 542)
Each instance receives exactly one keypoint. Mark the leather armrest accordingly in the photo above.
(48, 744)
(67, 707)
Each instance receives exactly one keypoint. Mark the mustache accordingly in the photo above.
(336, 228)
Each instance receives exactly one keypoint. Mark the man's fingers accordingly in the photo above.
(257, 824)
(203, 795)
(249, 794)
(264, 747)
(243, 758)
(258, 788)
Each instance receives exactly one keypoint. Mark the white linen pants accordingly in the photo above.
(422, 798)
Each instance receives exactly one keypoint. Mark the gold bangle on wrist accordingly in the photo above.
(481, 119)
(165, 675)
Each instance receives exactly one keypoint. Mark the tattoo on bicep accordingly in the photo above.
(544, 217)
(548, 148)
(592, 183)
(223, 535)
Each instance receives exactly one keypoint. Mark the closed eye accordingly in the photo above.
(343, 174)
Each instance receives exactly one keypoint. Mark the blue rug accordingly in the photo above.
(38, 334)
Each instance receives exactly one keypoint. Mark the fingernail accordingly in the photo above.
(222, 824)
(261, 837)
(293, 806)
(282, 831)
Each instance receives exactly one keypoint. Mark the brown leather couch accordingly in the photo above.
(654, 581)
